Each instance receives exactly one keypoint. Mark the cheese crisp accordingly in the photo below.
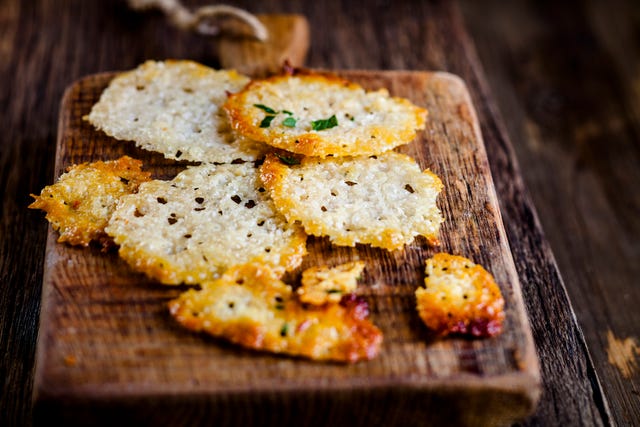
(321, 115)
(80, 203)
(459, 297)
(207, 219)
(383, 200)
(251, 307)
(322, 285)
(174, 107)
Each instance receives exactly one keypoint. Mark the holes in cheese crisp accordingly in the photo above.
(187, 236)
(140, 87)
(187, 90)
(250, 204)
(231, 304)
(138, 214)
(199, 200)
(236, 198)
(199, 209)
(267, 250)
(172, 220)
(178, 154)
(350, 183)
(162, 200)
(261, 190)
(240, 281)
(249, 234)
(334, 193)
(260, 223)
(409, 188)
(323, 208)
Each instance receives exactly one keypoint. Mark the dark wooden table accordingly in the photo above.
(556, 88)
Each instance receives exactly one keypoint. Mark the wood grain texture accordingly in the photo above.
(46, 45)
(106, 334)
(564, 77)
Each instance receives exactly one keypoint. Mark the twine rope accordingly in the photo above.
(202, 19)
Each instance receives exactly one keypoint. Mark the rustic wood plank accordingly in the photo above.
(563, 76)
(88, 37)
(106, 334)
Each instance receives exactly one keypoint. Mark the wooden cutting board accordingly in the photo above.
(109, 352)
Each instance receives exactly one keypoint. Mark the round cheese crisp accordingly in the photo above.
(459, 297)
(207, 219)
(80, 203)
(251, 307)
(383, 200)
(321, 115)
(174, 107)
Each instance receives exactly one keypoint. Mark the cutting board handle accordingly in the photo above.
(254, 45)
(288, 41)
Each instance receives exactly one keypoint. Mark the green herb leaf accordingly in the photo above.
(288, 160)
(284, 330)
(265, 108)
(287, 112)
(266, 122)
(289, 122)
(324, 123)
(334, 291)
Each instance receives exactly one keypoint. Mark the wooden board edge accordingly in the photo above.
(504, 405)
(530, 358)
(51, 242)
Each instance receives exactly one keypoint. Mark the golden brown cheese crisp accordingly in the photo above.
(205, 220)
(322, 115)
(384, 200)
(322, 285)
(459, 297)
(81, 202)
(174, 107)
(251, 307)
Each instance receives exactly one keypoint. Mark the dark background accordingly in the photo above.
(557, 87)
